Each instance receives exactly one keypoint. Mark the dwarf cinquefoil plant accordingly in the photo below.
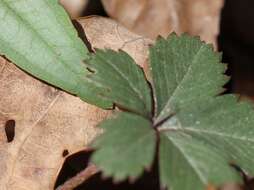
(199, 134)
(178, 116)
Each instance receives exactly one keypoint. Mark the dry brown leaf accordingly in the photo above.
(48, 121)
(231, 186)
(74, 7)
(160, 17)
(106, 33)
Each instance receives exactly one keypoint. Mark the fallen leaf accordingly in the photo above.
(114, 36)
(210, 187)
(74, 7)
(49, 121)
(231, 186)
(160, 17)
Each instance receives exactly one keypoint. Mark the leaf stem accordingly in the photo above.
(77, 180)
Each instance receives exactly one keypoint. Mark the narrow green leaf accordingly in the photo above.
(126, 147)
(123, 81)
(184, 70)
(38, 36)
(213, 134)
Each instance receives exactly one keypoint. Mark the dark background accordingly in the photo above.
(236, 41)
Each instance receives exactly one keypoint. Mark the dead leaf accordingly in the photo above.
(106, 33)
(160, 17)
(231, 186)
(211, 187)
(49, 121)
(74, 7)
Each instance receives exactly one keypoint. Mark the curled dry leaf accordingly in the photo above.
(154, 17)
(49, 121)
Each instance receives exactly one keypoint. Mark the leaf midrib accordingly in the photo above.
(33, 30)
(130, 84)
(161, 115)
(201, 131)
(193, 165)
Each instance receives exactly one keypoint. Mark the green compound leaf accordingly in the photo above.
(184, 70)
(123, 81)
(199, 143)
(38, 36)
(126, 147)
(200, 133)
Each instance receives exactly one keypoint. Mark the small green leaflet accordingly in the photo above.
(187, 163)
(126, 147)
(199, 133)
(123, 81)
(38, 36)
(184, 71)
